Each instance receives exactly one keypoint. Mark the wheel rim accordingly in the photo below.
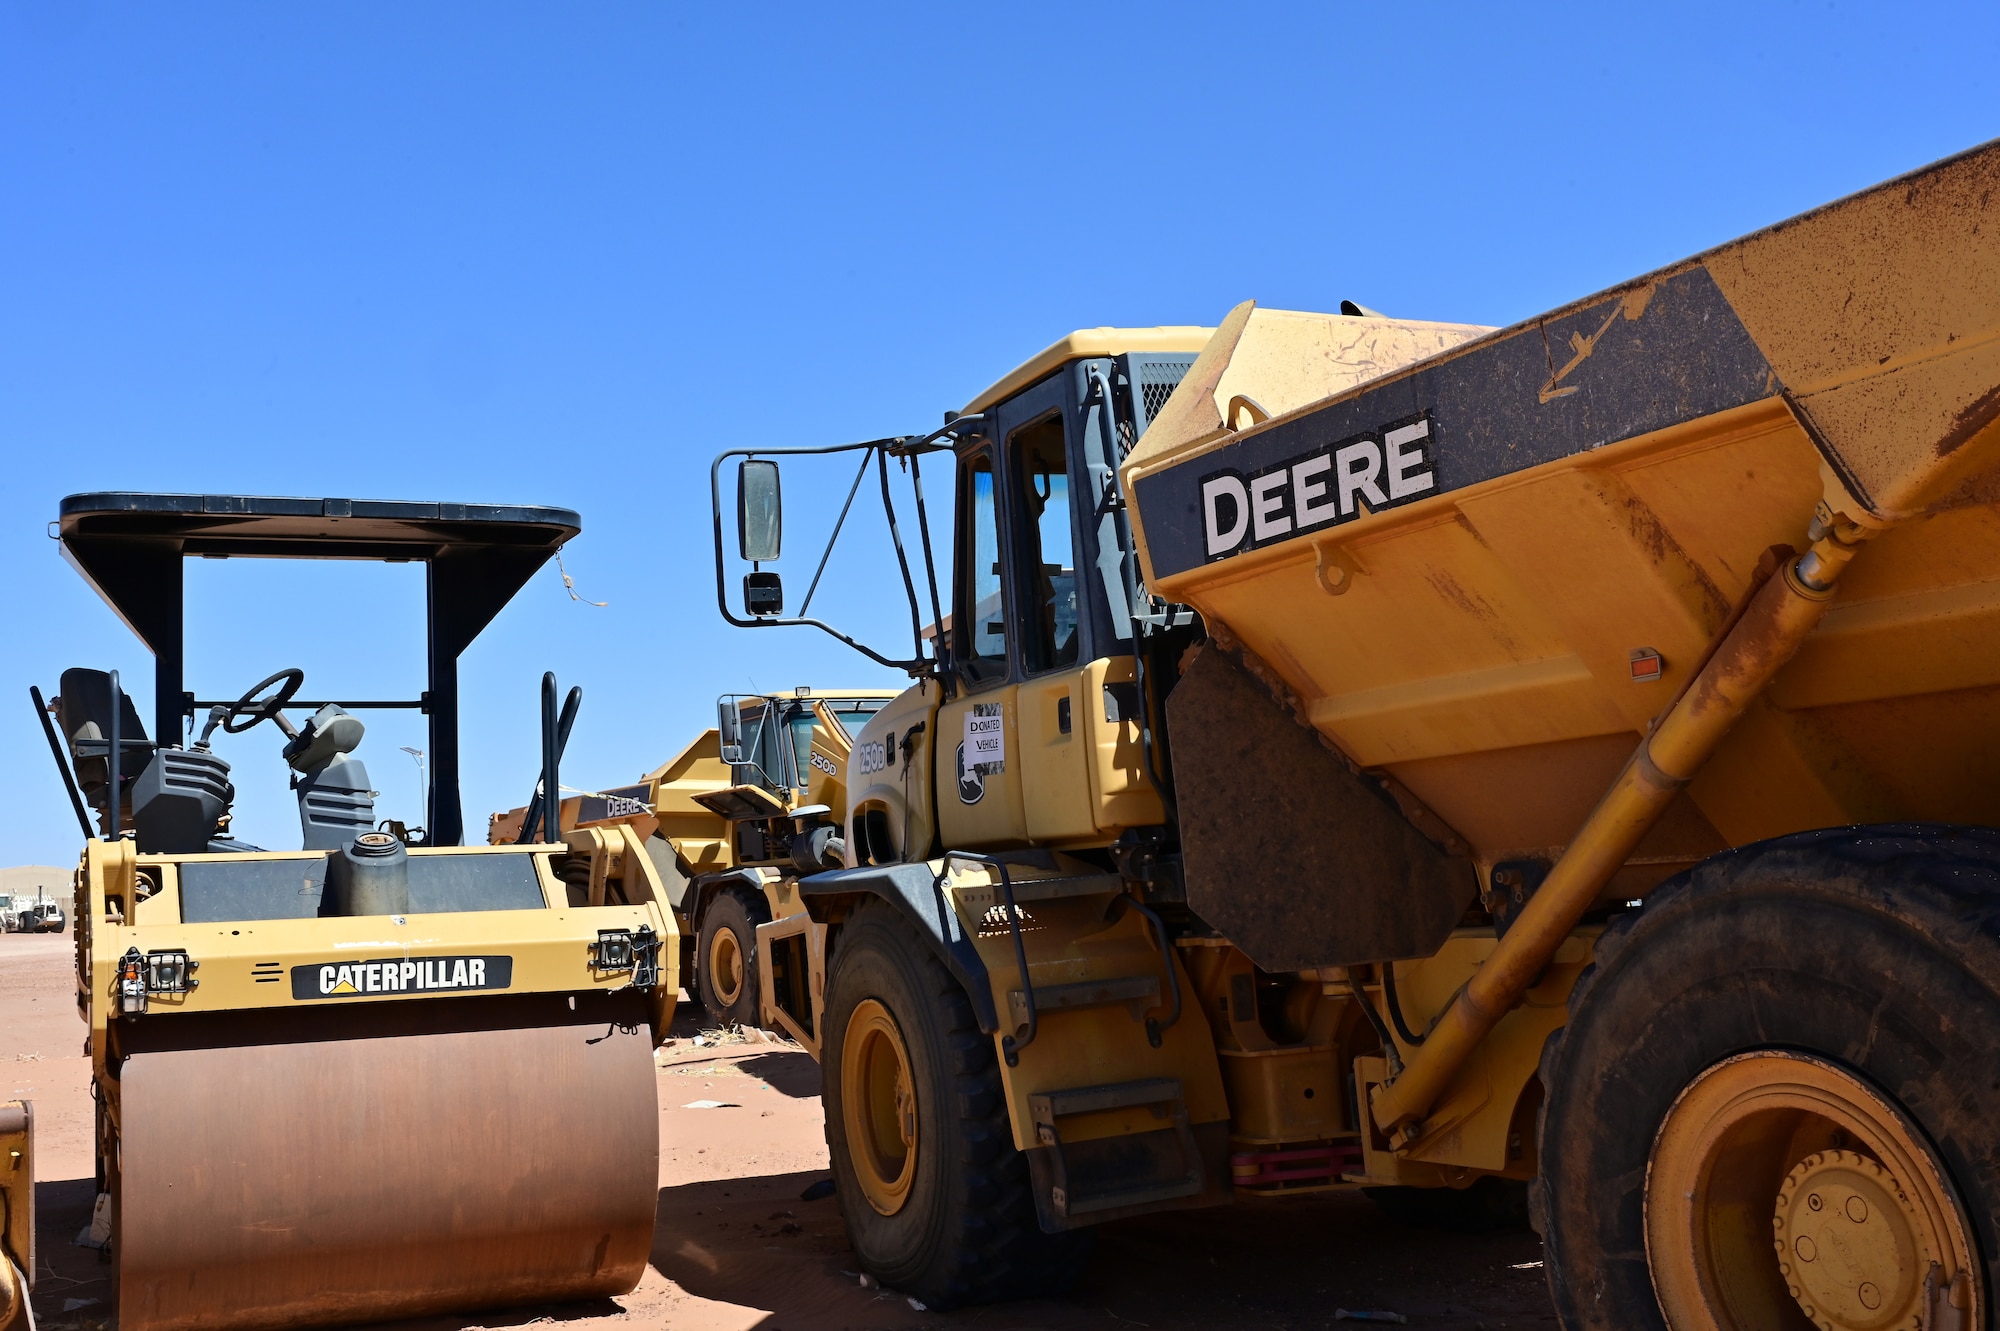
(1783, 1191)
(879, 1106)
(725, 966)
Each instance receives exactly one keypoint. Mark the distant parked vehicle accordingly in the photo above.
(8, 913)
(40, 917)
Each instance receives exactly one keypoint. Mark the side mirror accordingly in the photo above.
(729, 721)
(760, 517)
(763, 594)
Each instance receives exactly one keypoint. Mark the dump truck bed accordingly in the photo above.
(1485, 571)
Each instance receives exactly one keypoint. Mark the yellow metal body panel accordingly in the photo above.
(699, 836)
(891, 772)
(248, 964)
(1068, 942)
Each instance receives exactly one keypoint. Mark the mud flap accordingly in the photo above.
(1288, 853)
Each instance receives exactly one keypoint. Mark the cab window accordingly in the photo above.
(982, 610)
(1048, 560)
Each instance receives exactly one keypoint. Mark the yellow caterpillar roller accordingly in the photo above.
(383, 1074)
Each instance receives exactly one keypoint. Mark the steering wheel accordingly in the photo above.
(250, 708)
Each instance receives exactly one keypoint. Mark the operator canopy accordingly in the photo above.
(130, 546)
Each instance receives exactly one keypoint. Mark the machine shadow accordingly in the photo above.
(795, 1074)
(1263, 1262)
(64, 1272)
(528, 1314)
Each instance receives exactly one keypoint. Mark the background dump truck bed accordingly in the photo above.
(1577, 496)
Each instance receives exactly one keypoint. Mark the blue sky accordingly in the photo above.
(564, 254)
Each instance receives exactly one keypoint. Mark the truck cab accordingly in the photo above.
(1029, 733)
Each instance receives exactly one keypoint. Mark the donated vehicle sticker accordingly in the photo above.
(402, 975)
(985, 739)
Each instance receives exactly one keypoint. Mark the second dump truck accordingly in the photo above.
(730, 822)
(1556, 763)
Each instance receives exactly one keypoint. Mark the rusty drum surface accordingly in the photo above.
(446, 1155)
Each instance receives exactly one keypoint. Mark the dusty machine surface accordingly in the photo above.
(1463, 764)
(382, 1075)
(17, 1213)
(730, 822)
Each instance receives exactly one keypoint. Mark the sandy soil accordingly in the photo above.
(736, 1248)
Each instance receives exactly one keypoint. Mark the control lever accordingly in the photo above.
(555, 738)
(216, 716)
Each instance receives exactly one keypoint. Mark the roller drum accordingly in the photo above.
(365, 1162)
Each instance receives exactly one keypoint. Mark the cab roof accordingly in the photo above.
(1085, 344)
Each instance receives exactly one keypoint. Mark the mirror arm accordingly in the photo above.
(827, 553)
(917, 666)
(930, 565)
(902, 560)
(955, 429)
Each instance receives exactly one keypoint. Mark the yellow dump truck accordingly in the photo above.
(381, 1075)
(728, 822)
(1377, 753)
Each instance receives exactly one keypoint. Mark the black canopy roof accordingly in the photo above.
(130, 547)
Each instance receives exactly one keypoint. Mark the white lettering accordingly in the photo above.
(1358, 465)
(1213, 491)
(458, 977)
(1266, 498)
(1307, 504)
(326, 979)
(1401, 464)
(479, 972)
(409, 972)
(345, 977)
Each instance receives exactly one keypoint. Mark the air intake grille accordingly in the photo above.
(1153, 381)
(1155, 395)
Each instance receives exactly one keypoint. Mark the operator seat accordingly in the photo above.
(335, 802)
(83, 712)
(174, 800)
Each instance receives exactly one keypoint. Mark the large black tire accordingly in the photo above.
(728, 936)
(966, 1231)
(1874, 950)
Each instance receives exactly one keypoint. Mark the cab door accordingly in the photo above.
(1055, 598)
(1012, 770)
(978, 769)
